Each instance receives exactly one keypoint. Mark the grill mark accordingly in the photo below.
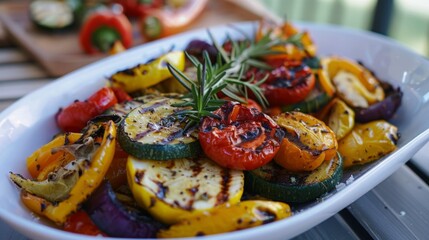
(250, 135)
(162, 190)
(265, 215)
(223, 195)
(138, 177)
(196, 169)
(172, 136)
(153, 106)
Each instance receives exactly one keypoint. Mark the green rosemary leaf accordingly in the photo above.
(185, 81)
(222, 52)
(193, 59)
(258, 64)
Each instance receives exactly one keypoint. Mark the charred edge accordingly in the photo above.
(223, 196)
(162, 190)
(138, 177)
(295, 140)
(266, 215)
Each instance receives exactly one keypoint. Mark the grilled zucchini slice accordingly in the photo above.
(178, 189)
(276, 183)
(153, 131)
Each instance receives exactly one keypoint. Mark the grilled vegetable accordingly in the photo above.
(300, 46)
(355, 84)
(80, 222)
(75, 116)
(164, 22)
(147, 75)
(339, 117)
(384, 109)
(229, 218)
(178, 189)
(53, 14)
(40, 159)
(307, 142)
(89, 168)
(368, 142)
(239, 137)
(117, 219)
(153, 131)
(288, 82)
(102, 29)
(274, 182)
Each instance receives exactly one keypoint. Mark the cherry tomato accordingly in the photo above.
(241, 138)
(103, 99)
(121, 95)
(288, 83)
(74, 117)
(80, 222)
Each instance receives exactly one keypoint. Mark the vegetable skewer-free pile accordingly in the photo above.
(216, 138)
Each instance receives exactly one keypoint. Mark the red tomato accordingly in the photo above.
(289, 82)
(121, 95)
(103, 99)
(80, 222)
(242, 138)
(74, 117)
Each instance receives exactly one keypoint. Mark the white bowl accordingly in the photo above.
(29, 123)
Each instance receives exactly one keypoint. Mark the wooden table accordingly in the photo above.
(395, 209)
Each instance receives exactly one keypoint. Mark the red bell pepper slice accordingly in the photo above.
(102, 29)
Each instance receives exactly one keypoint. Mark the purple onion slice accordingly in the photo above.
(116, 219)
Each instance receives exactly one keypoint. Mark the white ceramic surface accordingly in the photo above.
(29, 123)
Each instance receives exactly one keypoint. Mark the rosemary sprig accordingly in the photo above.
(225, 75)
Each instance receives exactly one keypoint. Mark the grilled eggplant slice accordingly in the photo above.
(153, 131)
(177, 189)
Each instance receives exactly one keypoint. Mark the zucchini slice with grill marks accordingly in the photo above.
(276, 183)
(153, 131)
(178, 189)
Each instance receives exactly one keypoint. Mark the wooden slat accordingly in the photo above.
(333, 228)
(396, 209)
(21, 71)
(17, 89)
(12, 55)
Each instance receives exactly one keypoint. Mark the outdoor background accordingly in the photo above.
(409, 19)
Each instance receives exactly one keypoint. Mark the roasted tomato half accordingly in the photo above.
(288, 83)
(240, 138)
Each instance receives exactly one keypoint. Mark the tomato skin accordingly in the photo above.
(121, 95)
(243, 138)
(288, 83)
(74, 117)
(80, 222)
(103, 99)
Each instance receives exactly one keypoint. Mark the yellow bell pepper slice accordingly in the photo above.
(368, 142)
(85, 185)
(229, 218)
(354, 83)
(146, 75)
(43, 156)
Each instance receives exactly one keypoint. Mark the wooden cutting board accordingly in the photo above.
(60, 53)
